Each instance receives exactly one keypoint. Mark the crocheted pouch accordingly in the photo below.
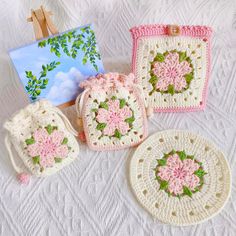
(112, 112)
(43, 138)
(172, 64)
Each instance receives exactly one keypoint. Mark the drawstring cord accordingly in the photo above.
(79, 103)
(8, 146)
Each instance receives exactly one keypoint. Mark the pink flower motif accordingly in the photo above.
(179, 174)
(171, 72)
(114, 118)
(47, 146)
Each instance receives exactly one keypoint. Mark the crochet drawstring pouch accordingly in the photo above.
(43, 138)
(172, 64)
(112, 112)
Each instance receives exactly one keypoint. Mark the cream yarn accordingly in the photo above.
(184, 211)
(21, 127)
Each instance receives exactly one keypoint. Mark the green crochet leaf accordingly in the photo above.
(49, 129)
(36, 160)
(94, 110)
(187, 191)
(58, 160)
(182, 56)
(171, 89)
(153, 80)
(200, 173)
(122, 103)
(188, 77)
(30, 141)
(182, 155)
(103, 105)
(101, 126)
(65, 141)
(159, 57)
(130, 120)
(118, 134)
(163, 185)
(161, 162)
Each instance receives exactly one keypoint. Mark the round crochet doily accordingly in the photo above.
(158, 187)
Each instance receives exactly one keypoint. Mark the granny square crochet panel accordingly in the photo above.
(180, 177)
(172, 64)
(112, 111)
(44, 140)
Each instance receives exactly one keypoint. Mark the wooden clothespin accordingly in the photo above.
(42, 23)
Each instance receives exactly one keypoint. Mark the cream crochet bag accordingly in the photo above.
(43, 138)
(112, 111)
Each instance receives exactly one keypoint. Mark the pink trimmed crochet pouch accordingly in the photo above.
(112, 111)
(43, 138)
(172, 64)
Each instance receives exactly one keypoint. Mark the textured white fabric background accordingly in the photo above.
(92, 196)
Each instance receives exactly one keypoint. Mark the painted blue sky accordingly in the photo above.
(63, 85)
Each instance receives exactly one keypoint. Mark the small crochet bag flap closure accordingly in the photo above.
(43, 138)
(112, 111)
(172, 64)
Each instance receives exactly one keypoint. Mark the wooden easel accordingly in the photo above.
(42, 24)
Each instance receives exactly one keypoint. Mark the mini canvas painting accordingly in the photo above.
(52, 68)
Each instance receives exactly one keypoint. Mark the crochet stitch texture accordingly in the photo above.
(206, 175)
(44, 140)
(172, 70)
(112, 111)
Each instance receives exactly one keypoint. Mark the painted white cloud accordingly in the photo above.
(66, 85)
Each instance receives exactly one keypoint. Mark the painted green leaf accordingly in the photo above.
(58, 160)
(122, 103)
(200, 173)
(30, 141)
(103, 105)
(159, 57)
(49, 129)
(182, 155)
(161, 162)
(113, 98)
(45, 81)
(171, 89)
(101, 126)
(163, 185)
(84, 61)
(187, 191)
(130, 120)
(38, 92)
(118, 134)
(65, 141)
(36, 160)
(182, 56)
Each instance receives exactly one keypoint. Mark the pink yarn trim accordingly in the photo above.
(202, 32)
(117, 147)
